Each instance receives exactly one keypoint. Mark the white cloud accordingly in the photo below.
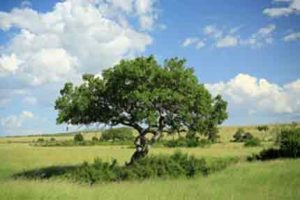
(260, 38)
(212, 31)
(196, 42)
(200, 44)
(259, 95)
(147, 15)
(227, 41)
(14, 123)
(290, 7)
(76, 37)
(292, 37)
(49, 65)
(222, 38)
(9, 64)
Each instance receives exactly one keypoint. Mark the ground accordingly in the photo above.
(277, 179)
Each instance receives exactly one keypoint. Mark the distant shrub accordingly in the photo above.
(289, 142)
(95, 139)
(117, 134)
(294, 125)
(253, 142)
(187, 142)
(247, 136)
(40, 140)
(52, 139)
(289, 146)
(78, 138)
(238, 136)
(242, 136)
(262, 128)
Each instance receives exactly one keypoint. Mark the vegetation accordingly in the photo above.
(187, 142)
(244, 180)
(95, 139)
(146, 96)
(253, 142)
(289, 146)
(40, 140)
(263, 128)
(289, 142)
(242, 136)
(78, 138)
(257, 180)
(117, 134)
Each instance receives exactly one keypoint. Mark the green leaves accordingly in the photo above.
(144, 95)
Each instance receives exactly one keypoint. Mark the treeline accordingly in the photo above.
(117, 136)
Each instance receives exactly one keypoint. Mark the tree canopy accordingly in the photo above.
(142, 94)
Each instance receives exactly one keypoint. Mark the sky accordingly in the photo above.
(248, 51)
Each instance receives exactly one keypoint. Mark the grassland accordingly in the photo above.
(278, 179)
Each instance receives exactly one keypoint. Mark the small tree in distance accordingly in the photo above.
(144, 95)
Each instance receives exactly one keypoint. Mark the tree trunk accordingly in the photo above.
(141, 148)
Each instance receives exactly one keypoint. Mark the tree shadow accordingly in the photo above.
(46, 172)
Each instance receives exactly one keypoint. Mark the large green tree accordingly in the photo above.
(144, 95)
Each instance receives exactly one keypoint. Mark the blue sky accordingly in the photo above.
(248, 51)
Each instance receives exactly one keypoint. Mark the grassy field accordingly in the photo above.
(279, 179)
(269, 180)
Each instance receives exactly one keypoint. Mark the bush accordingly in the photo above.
(253, 142)
(117, 134)
(247, 136)
(158, 166)
(265, 154)
(52, 139)
(242, 136)
(95, 139)
(289, 142)
(176, 165)
(237, 137)
(40, 140)
(78, 138)
(289, 146)
(187, 142)
(262, 128)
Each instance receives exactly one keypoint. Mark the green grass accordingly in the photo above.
(261, 180)
(279, 179)
(19, 157)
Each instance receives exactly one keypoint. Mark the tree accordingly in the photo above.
(144, 95)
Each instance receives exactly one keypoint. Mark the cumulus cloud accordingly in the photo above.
(75, 37)
(9, 64)
(289, 7)
(292, 37)
(14, 123)
(255, 95)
